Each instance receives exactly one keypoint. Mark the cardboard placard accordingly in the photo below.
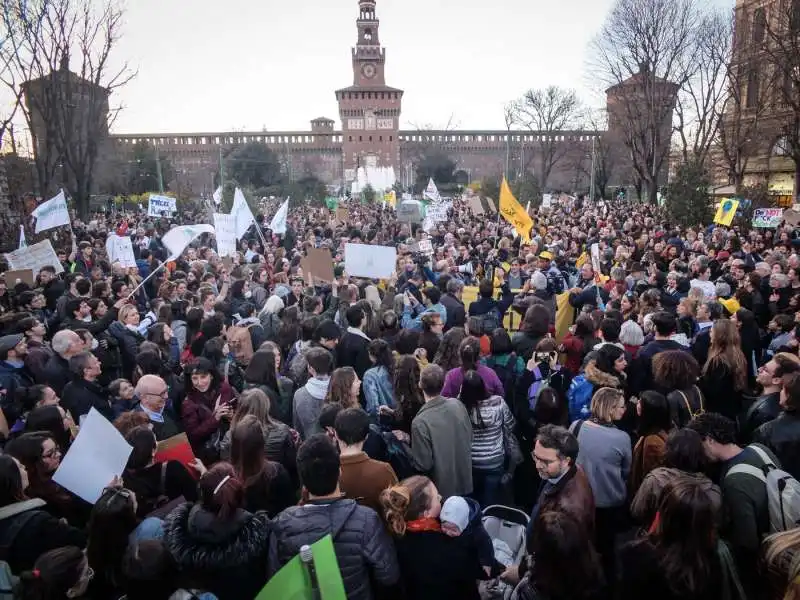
(19, 276)
(342, 214)
(409, 212)
(318, 263)
(34, 257)
(476, 205)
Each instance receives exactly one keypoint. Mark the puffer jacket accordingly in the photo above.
(364, 551)
(227, 558)
(490, 432)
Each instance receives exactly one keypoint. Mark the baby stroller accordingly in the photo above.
(507, 527)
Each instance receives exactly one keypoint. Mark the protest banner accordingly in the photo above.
(225, 227)
(52, 213)
(767, 217)
(409, 212)
(34, 257)
(158, 205)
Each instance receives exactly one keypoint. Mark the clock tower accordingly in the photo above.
(369, 109)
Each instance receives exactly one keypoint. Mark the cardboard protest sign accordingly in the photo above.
(34, 257)
(319, 264)
(12, 278)
(120, 250)
(176, 448)
(476, 205)
(225, 233)
(158, 205)
(767, 217)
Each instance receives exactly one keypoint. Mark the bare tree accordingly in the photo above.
(741, 122)
(779, 34)
(549, 113)
(67, 112)
(705, 90)
(641, 51)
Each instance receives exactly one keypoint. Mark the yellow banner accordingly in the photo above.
(513, 212)
(565, 315)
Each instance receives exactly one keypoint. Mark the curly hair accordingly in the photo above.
(675, 370)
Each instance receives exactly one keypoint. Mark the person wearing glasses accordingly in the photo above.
(152, 393)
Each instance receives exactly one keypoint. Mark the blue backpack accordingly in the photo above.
(579, 398)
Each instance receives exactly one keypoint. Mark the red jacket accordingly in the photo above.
(197, 412)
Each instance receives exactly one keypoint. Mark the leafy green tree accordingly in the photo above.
(253, 165)
(490, 187)
(143, 169)
(368, 194)
(686, 198)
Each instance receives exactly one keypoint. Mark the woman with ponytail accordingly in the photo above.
(57, 575)
(433, 565)
(470, 352)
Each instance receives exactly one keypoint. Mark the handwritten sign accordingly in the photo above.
(158, 205)
(34, 257)
(767, 217)
(120, 250)
(373, 262)
(225, 226)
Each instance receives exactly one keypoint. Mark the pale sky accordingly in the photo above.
(210, 65)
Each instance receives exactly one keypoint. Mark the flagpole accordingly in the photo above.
(136, 289)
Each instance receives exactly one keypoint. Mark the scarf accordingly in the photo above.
(424, 524)
(358, 332)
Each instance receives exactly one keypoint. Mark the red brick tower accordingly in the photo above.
(369, 109)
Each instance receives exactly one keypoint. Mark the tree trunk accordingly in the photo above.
(652, 192)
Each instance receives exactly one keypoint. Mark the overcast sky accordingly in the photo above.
(206, 65)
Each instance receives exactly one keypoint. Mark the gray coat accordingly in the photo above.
(364, 550)
(441, 445)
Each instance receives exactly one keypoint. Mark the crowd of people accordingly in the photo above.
(644, 414)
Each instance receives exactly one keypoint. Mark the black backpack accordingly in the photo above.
(508, 377)
(395, 452)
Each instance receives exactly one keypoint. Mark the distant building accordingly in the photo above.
(63, 97)
(370, 136)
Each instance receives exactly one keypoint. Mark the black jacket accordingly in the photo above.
(456, 313)
(80, 396)
(227, 558)
(27, 532)
(129, 342)
(57, 374)
(352, 352)
(782, 436)
(763, 410)
(364, 551)
(435, 566)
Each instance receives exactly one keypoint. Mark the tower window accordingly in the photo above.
(390, 138)
(759, 24)
(380, 138)
(360, 138)
(368, 35)
(350, 138)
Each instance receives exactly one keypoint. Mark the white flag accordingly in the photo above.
(432, 192)
(278, 223)
(52, 213)
(242, 213)
(22, 242)
(217, 196)
(177, 238)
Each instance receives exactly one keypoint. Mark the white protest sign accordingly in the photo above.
(52, 213)
(547, 200)
(241, 213)
(437, 213)
(373, 262)
(767, 217)
(34, 257)
(595, 256)
(161, 204)
(409, 212)
(225, 226)
(120, 249)
(97, 455)
(425, 246)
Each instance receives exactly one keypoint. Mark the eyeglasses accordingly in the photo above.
(52, 453)
(162, 394)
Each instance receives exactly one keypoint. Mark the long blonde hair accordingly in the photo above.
(726, 349)
(782, 556)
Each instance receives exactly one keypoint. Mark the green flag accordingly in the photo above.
(332, 202)
(293, 582)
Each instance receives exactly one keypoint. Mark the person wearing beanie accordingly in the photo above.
(461, 517)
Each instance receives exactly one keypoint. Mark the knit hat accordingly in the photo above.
(539, 281)
(9, 342)
(455, 511)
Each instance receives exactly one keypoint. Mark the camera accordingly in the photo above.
(420, 259)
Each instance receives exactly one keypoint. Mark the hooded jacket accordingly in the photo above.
(364, 551)
(308, 402)
(227, 558)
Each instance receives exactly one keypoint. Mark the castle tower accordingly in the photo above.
(369, 109)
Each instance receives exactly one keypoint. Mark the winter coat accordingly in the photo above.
(455, 377)
(279, 447)
(57, 373)
(492, 432)
(227, 558)
(456, 313)
(364, 551)
(782, 436)
(129, 342)
(648, 454)
(80, 396)
(27, 531)
(352, 352)
(197, 412)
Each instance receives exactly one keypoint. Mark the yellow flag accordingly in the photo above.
(513, 212)
(726, 211)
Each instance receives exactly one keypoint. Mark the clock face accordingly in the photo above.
(368, 70)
